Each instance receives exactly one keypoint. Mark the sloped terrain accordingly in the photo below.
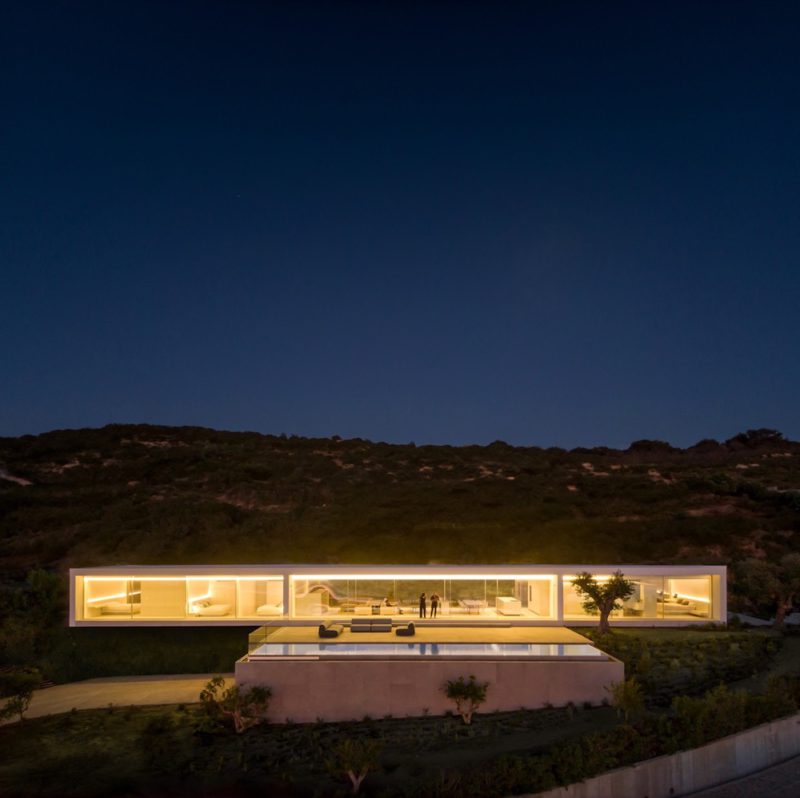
(148, 494)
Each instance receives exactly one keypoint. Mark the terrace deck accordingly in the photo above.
(436, 634)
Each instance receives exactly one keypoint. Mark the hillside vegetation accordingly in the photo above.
(149, 494)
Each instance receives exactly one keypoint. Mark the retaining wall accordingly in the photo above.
(689, 771)
(305, 690)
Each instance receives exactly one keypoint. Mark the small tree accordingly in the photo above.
(355, 758)
(247, 708)
(468, 695)
(627, 698)
(17, 687)
(603, 597)
(776, 582)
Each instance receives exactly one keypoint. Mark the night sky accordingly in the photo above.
(545, 223)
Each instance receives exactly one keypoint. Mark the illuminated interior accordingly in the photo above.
(654, 597)
(531, 596)
(180, 598)
(208, 595)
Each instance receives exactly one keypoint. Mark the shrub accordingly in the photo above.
(17, 687)
(157, 744)
(468, 695)
(246, 708)
(355, 758)
(627, 698)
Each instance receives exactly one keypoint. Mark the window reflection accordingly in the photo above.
(532, 597)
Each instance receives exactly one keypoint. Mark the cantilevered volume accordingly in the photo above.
(250, 594)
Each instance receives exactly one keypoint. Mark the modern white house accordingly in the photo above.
(247, 595)
(339, 642)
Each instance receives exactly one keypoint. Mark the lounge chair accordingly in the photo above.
(407, 630)
(330, 629)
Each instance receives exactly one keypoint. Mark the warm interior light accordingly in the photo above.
(692, 598)
(181, 578)
(115, 596)
(332, 577)
(201, 598)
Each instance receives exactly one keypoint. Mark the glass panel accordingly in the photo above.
(111, 599)
(260, 598)
(643, 604)
(163, 599)
(487, 597)
(538, 597)
(210, 598)
(687, 598)
(659, 597)
(573, 602)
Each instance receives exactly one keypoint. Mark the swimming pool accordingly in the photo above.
(415, 650)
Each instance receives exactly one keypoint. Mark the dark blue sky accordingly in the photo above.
(547, 223)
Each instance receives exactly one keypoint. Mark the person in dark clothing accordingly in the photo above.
(423, 605)
(434, 604)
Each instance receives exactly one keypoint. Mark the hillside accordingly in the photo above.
(149, 494)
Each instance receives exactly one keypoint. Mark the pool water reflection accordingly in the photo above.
(424, 650)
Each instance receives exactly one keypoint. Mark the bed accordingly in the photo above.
(208, 609)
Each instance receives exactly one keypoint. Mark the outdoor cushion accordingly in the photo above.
(361, 625)
(330, 630)
(381, 625)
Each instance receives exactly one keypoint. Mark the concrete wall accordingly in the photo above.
(304, 690)
(697, 769)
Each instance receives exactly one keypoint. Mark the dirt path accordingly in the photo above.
(120, 691)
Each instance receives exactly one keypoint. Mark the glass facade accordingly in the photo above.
(169, 594)
(532, 596)
(667, 598)
(179, 598)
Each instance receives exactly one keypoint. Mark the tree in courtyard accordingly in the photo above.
(17, 688)
(627, 698)
(355, 758)
(764, 581)
(246, 707)
(603, 596)
(468, 695)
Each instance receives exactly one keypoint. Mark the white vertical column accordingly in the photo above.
(73, 599)
(288, 610)
(719, 598)
(560, 598)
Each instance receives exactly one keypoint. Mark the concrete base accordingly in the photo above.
(307, 690)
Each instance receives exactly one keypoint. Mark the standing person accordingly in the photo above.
(423, 605)
(434, 604)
